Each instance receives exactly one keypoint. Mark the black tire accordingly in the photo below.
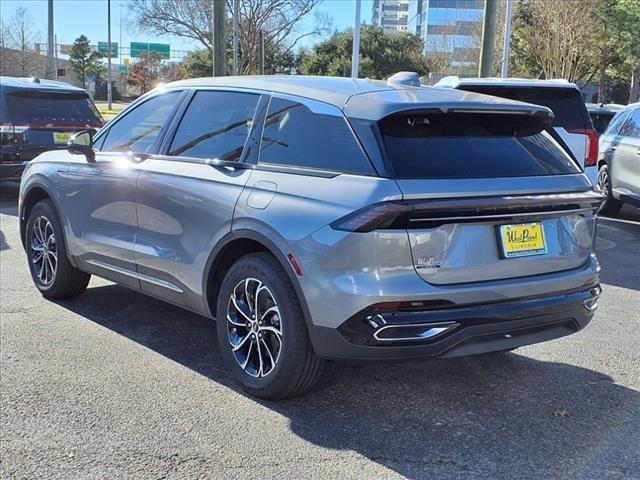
(611, 207)
(296, 367)
(65, 280)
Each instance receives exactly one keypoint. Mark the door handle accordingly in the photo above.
(613, 148)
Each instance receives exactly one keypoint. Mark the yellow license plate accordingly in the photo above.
(62, 137)
(522, 239)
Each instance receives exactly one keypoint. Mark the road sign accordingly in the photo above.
(103, 48)
(162, 49)
(126, 62)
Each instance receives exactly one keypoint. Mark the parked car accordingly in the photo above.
(571, 122)
(619, 162)
(324, 218)
(601, 114)
(38, 115)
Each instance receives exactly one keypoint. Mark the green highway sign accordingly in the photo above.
(103, 48)
(162, 49)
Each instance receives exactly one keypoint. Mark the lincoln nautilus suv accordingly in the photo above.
(324, 218)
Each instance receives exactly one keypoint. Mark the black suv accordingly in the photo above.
(39, 115)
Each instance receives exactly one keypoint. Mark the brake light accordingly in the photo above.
(380, 215)
(11, 134)
(591, 155)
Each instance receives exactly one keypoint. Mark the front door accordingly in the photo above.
(100, 196)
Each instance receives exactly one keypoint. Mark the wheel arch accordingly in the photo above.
(233, 246)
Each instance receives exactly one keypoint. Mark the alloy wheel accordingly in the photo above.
(254, 327)
(603, 180)
(44, 251)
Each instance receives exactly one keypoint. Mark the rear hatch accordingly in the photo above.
(34, 121)
(571, 122)
(487, 195)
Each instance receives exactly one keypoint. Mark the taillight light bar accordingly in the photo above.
(439, 211)
(13, 134)
(591, 155)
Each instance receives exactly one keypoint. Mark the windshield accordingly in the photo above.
(67, 109)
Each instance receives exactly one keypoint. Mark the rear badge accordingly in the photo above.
(427, 265)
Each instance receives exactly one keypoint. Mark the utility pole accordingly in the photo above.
(261, 52)
(488, 37)
(356, 43)
(49, 73)
(507, 39)
(219, 45)
(109, 54)
(236, 26)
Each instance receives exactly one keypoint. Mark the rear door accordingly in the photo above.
(490, 196)
(626, 163)
(186, 198)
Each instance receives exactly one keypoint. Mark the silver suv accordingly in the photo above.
(619, 162)
(324, 218)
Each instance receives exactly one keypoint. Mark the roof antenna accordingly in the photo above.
(410, 79)
(35, 80)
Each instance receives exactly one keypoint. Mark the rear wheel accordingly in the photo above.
(611, 206)
(49, 265)
(262, 332)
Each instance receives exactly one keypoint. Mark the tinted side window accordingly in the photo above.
(566, 103)
(138, 129)
(295, 136)
(617, 122)
(632, 128)
(215, 125)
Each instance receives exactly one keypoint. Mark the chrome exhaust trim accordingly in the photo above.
(412, 332)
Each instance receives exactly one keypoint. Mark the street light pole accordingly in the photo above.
(507, 40)
(109, 54)
(50, 43)
(219, 44)
(356, 43)
(236, 21)
(488, 37)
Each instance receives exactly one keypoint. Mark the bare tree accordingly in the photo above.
(561, 36)
(21, 35)
(278, 20)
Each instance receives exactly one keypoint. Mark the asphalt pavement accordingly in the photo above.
(118, 385)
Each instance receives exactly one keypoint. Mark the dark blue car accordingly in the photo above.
(39, 115)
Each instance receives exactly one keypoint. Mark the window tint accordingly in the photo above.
(294, 135)
(73, 109)
(632, 127)
(617, 122)
(471, 146)
(216, 125)
(566, 103)
(138, 129)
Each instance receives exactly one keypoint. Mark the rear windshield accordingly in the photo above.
(462, 145)
(601, 120)
(566, 103)
(72, 109)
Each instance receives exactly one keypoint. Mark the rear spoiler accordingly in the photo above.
(377, 105)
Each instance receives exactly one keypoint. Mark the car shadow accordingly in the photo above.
(618, 243)
(489, 416)
(9, 198)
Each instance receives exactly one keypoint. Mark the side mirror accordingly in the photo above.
(81, 143)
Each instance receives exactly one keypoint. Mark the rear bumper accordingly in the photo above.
(476, 329)
(12, 171)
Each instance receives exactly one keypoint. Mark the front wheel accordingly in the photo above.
(262, 332)
(49, 265)
(611, 206)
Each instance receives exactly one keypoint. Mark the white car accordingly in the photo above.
(572, 122)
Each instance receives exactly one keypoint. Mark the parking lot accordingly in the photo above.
(117, 384)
